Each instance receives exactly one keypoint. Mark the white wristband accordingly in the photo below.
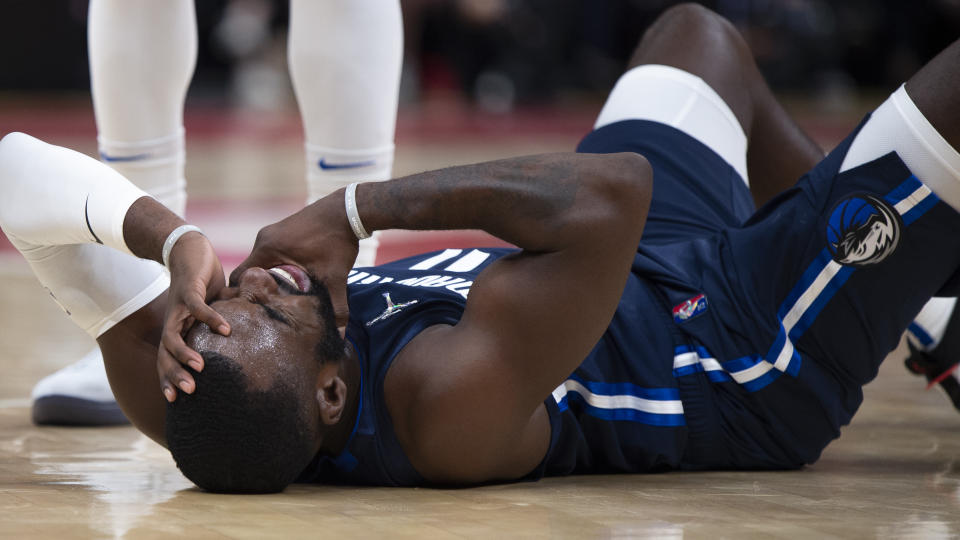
(172, 240)
(350, 199)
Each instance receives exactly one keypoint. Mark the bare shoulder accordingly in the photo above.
(458, 422)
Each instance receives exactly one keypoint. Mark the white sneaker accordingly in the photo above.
(77, 395)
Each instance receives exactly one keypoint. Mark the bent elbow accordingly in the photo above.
(630, 180)
(633, 170)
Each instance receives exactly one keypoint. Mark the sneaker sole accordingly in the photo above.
(70, 411)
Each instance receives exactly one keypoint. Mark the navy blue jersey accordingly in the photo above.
(742, 339)
(620, 410)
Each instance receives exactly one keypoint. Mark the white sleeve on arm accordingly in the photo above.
(54, 205)
(55, 196)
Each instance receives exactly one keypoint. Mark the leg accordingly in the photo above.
(934, 342)
(698, 41)
(919, 123)
(345, 62)
(142, 55)
(841, 264)
(682, 104)
(934, 90)
(934, 337)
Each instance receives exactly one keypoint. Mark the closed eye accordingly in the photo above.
(274, 314)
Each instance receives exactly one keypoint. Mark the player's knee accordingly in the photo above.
(696, 30)
(694, 19)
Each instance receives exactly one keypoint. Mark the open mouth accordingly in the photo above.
(293, 275)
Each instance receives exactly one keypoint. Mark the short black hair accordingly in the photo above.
(227, 437)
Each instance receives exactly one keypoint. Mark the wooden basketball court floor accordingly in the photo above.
(892, 474)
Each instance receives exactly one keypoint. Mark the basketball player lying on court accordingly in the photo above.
(729, 339)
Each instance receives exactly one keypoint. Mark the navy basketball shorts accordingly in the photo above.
(804, 298)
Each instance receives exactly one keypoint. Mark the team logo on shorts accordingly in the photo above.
(863, 230)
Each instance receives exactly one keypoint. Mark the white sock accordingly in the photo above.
(56, 205)
(931, 324)
(142, 57)
(345, 60)
(154, 166)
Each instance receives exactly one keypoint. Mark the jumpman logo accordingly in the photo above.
(392, 309)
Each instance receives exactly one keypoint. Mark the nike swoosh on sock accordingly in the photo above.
(323, 164)
(111, 159)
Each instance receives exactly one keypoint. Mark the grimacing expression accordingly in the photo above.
(276, 324)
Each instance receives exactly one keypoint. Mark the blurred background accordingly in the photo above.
(499, 55)
(482, 79)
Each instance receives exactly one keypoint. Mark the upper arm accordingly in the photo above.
(130, 357)
(530, 320)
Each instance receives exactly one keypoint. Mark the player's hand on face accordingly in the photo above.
(196, 277)
(318, 239)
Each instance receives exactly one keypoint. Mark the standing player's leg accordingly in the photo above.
(345, 60)
(142, 56)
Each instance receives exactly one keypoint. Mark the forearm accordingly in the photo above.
(147, 225)
(539, 203)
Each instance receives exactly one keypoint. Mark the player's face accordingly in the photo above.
(276, 324)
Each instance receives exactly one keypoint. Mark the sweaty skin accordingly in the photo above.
(577, 218)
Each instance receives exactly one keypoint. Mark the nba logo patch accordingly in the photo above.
(690, 308)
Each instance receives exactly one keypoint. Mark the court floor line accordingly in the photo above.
(15, 403)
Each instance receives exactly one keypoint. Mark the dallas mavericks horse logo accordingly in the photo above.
(862, 230)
